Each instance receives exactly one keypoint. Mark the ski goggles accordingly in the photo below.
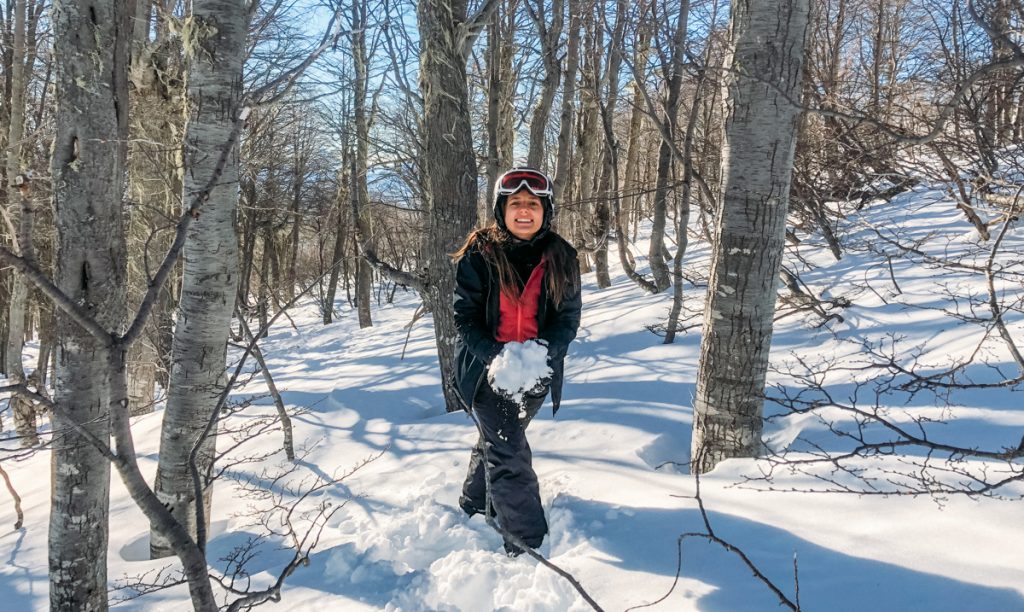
(512, 181)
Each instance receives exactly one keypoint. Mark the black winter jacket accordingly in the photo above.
(477, 305)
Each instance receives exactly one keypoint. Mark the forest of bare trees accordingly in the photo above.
(178, 175)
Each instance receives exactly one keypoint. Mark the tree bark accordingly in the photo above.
(360, 191)
(47, 338)
(91, 55)
(340, 232)
(609, 158)
(589, 133)
(298, 177)
(631, 182)
(760, 135)
(550, 34)
(674, 82)
(263, 291)
(18, 203)
(500, 87)
(154, 191)
(448, 165)
(566, 121)
(250, 230)
(683, 221)
(214, 53)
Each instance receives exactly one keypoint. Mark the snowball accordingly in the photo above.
(518, 368)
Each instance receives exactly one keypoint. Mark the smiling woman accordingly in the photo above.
(517, 283)
(523, 214)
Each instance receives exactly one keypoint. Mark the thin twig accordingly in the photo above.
(712, 537)
(17, 498)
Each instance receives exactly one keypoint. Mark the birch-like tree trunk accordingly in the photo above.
(760, 134)
(20, 207)
(90, 49)
(447, 161)
(215, 49)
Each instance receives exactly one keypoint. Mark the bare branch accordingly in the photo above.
(17, 499)
(470, 30)
(74, 311)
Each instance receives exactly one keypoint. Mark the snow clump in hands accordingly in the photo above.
(519, 368)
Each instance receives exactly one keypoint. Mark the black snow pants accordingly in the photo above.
(514, 489)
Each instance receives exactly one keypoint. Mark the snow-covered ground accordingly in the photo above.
(615, 507)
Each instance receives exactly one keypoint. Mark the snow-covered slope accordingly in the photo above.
(615, 498)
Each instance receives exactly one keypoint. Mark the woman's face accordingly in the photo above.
(524, 214)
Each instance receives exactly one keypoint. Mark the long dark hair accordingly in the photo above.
(492, 242)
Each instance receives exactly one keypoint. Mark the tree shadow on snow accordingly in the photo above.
(22, 596)
(644, 540)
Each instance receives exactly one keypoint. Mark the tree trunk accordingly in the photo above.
(360, 192)
(250, 230)
(674, 82)
(90, 51)
(493, 109)
(263, 292)
(760, 135)
(291, 279)
(683, 220)
(364, 289)
(589, 133)
(340, 230)
(214, 55)
(500, 86)
(566, 121)
(21, 207)
(448, 165)
(631, 181)
(193, 560)
(154, 189)
(609, 158)
(47, 338)
(550, 37)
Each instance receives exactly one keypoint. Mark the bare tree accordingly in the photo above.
(566, 115)
(446, 160)
(342, 201)
(21, 205)
(549, 30)
(501, 87)
(760, 131)
(672, 69)
(154, 192)
(91, 53)
(214, 55)
(362, 120)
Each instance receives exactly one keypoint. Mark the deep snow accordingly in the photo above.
(609, 464)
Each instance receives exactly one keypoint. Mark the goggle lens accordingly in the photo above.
(513, 181)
